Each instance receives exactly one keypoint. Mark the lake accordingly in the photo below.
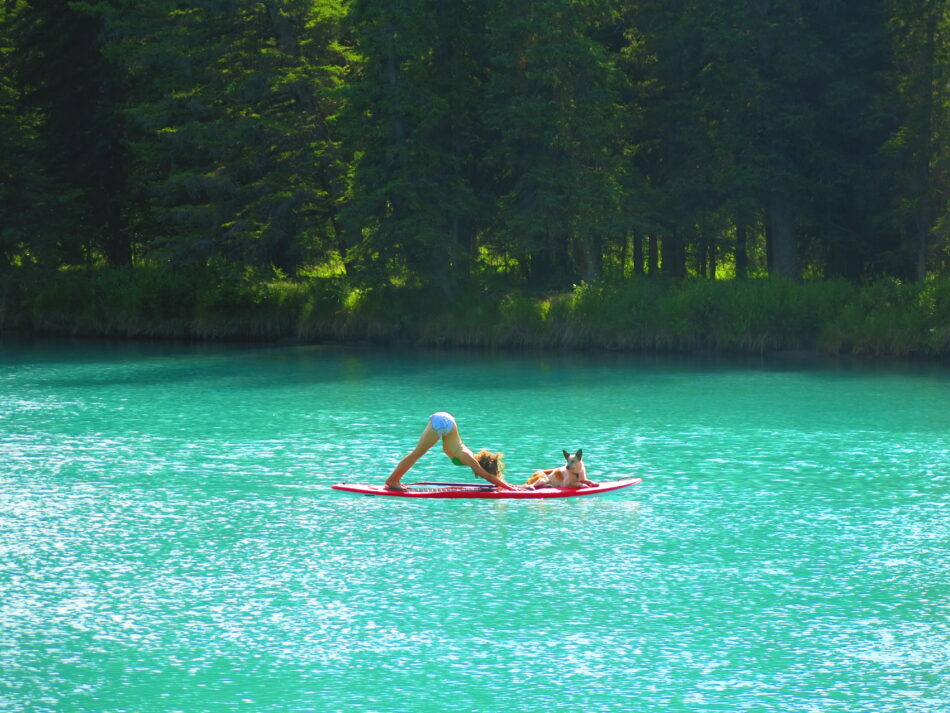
(169, 541)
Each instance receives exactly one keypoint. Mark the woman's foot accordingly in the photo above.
(395, 485)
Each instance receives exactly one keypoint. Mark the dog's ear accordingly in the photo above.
(567, 455)
(580, 452)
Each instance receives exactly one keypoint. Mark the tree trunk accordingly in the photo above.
(674, 256)
(924, 152)
(118, 249)
(653, 257)
(782, 237)
(637, 254)
(742, 256)
(583, 264)
(396, 113)
(342, 245)
(448, 269)
(624, 255)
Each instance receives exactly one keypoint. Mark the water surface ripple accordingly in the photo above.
(168, 541)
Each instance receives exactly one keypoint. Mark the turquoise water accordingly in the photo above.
(168, 541)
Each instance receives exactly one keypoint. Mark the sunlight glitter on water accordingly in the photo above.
(168, 540)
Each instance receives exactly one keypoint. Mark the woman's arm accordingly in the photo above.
(465, 455)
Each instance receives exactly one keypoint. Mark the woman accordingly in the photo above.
(442, 425)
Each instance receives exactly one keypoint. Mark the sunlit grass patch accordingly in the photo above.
(886, 317)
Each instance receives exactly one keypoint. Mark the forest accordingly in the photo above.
(672, 174)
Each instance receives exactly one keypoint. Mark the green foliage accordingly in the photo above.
(482, 157)
(233, 149)
(891, 318)
(412, 124)
(520, 322)
(62, 160)
(146, 302)
(754, 317)
(553, 110)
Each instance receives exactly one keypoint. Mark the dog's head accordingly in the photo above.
(574, 464)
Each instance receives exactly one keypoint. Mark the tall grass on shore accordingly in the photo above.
(755, 316)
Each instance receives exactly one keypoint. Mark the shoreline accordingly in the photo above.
(788, 320)
(785, 357)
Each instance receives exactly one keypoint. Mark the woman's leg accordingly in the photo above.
(428, 439)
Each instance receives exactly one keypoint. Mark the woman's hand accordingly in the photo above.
(509, 486)
(499, 483)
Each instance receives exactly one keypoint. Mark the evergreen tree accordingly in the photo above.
(413, 127)
(816, 128)
(674, 151)
(21, 189)
(553, 112)
(75, 94)
(430, 141)
(920, 146)
(235, 154)
(771, 110)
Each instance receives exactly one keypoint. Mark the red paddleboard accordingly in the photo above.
(489, 492)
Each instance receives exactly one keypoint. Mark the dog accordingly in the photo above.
(572, 474)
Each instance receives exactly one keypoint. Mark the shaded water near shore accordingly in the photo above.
(168, 540)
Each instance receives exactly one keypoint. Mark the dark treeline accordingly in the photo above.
(461, 144)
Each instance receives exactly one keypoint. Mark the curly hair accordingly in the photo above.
(492, 462)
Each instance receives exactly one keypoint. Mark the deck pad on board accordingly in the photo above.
(465, 490)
